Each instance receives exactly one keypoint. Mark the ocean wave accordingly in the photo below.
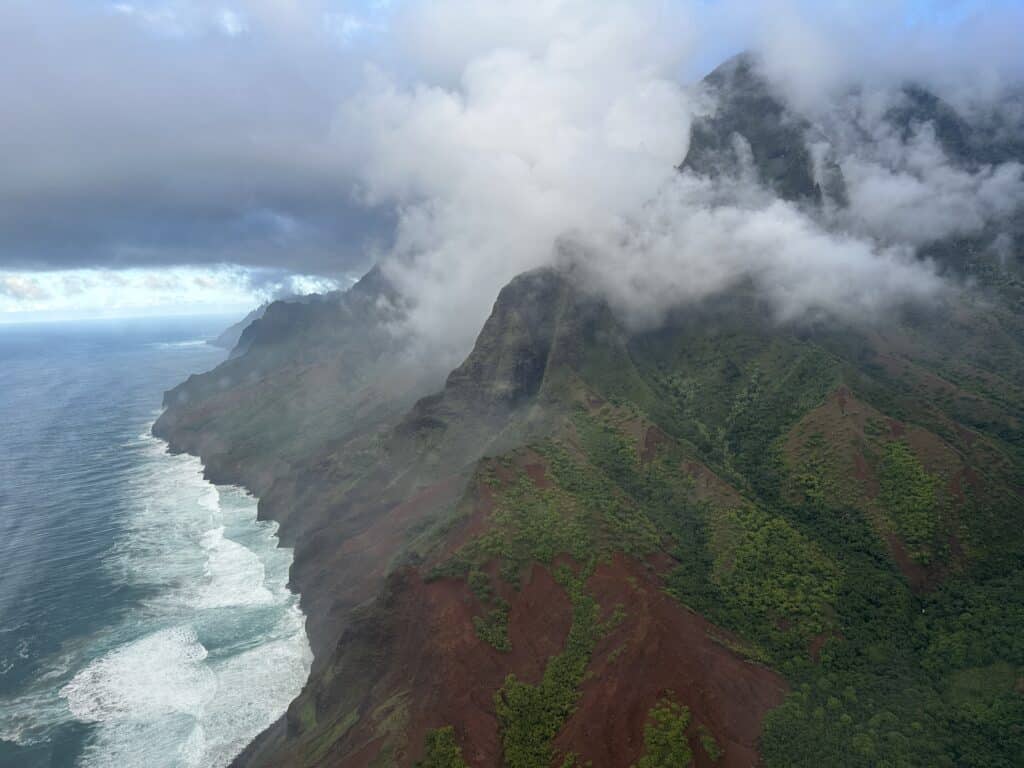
(160, 674)
(234, 574)
(31, 717)
(179, 344)
(190, 709)
(214, 649)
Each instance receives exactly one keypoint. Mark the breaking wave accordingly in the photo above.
(211, 652)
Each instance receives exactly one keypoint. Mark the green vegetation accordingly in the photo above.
(731, 394)
(910, 497)
(583, 515)
(902, 679)
(710, 746)
(330, 735)
(532, 715)
(789, 558)
(905, 680)
(618, 520)
(880, 675)
(772, 578)
(747, 569)
(813, 479)
(768, 582)
(665, 742)
(492, 627)
(442, 750)
(528, 524)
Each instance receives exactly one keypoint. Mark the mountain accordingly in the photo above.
(228, 338)
(750, 116)
(722, 541)
(799, 155)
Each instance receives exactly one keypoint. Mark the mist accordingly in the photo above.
(460, 143)
(516, 133)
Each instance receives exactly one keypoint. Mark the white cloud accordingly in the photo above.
(699, 236)
(18, 288)
(493, 130)
(578, 119)
(925, 198)
(906, 188)
(815, 51)
(141, 291)
(345, 27)
(232, 22)
(531, 125)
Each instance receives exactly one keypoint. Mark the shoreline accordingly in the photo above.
(224, 479)
(236, 477)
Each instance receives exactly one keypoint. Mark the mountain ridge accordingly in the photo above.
(498, 565)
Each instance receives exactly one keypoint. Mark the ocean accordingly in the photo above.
(145, 618)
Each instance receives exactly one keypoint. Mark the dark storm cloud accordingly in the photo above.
(172, 134)
(485, 133)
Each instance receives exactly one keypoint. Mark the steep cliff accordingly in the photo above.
(721, 541)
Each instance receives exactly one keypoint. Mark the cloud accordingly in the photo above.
(21, 288)
(700, 236)
(816, 51)
(176, 133)
(464, 142)
(918, 195)
(533, 131)
(575, 120)
(70, 294)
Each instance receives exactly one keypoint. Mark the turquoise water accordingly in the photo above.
(145, 618)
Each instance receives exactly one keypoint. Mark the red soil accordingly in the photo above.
(966, 476)
(863, 473)
(445, 675)
(920, 578)
(538, 474)
(474, 524)
(816, 644)
(478, 519)
(653, 439)
(966, 436)
(659, 648)
(439, 672)
(710, 487)
(840, 395)
(450, 676)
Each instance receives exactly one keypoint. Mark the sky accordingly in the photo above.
(180, 155)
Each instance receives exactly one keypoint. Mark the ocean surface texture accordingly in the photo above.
(145, 618)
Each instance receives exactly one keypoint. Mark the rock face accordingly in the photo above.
(793, 544)
(306, 374)
(229, 338)
(753, 132)
(752, 124)
(510, 357)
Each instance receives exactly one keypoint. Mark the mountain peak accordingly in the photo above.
(750, 113)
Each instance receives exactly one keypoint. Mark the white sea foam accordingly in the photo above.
(29, 718)
(188, 709)
(218, 648)
(179, 344)
(234, 574)
(159, 675)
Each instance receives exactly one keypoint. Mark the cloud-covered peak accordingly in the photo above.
(462, 142)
